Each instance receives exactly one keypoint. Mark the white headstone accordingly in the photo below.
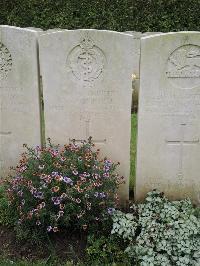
(87, 90)
(19, 94)
(136, 65)
(168, 151)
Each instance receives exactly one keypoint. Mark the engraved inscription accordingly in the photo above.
(12, 100)
(99, 99)
(183, 66)
(5, 61)
(86, 60)
(174, 102)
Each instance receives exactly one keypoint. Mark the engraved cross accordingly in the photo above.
(87, 135)
(181, 142)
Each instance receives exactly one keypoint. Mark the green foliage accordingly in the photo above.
(106, 250)
(160, 232)
(133, 149)
(119, 15)
(197, 212)
(49, 262)
(124, 224)
(8, 215)
(55, 188)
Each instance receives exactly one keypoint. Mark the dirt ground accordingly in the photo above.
(65, 246)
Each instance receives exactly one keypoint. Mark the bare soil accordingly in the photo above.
(65, 245)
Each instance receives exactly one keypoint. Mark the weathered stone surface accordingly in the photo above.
(19, 94)
(136, 65)
(168, 151)
(87, 90)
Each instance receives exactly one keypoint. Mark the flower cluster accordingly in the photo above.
(57, 187)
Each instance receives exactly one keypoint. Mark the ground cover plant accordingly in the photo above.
(160, 232)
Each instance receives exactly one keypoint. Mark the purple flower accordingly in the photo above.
(86, 174)
(49, 228)
(102, 195)
(39, 195)
(20, 193)
(37, 148)
(111, 210)
(106, 175)
(56, 200)
(96, 194)
(54, 152)
(54, 174)
(107, 163)
(67, 180)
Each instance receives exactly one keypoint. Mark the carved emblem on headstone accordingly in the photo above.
(183, 66)
(86, 60)
(5, 61)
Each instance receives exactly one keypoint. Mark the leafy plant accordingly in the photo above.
(59, 187)
(106, 250)
(8, 215)
(160, 232)
(120, 15)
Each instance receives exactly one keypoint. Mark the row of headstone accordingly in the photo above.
(86, 80)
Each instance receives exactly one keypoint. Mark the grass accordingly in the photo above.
(133, 149)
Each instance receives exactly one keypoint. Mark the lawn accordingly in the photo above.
(133, 149)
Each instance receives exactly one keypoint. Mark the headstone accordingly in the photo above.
(87, 90)
(168, 151)
(136, 65)
(19, 94)
(148, 33)
(34, 29)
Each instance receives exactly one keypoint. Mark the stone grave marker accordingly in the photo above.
(19, 94)
(87, 90)
(168, 150)
(136, 65)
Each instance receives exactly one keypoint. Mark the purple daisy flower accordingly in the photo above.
(102, 195)
(67, 180)
(39, 195)
(56, 200)
(111, 210)
(49, 228)
(54, 174)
